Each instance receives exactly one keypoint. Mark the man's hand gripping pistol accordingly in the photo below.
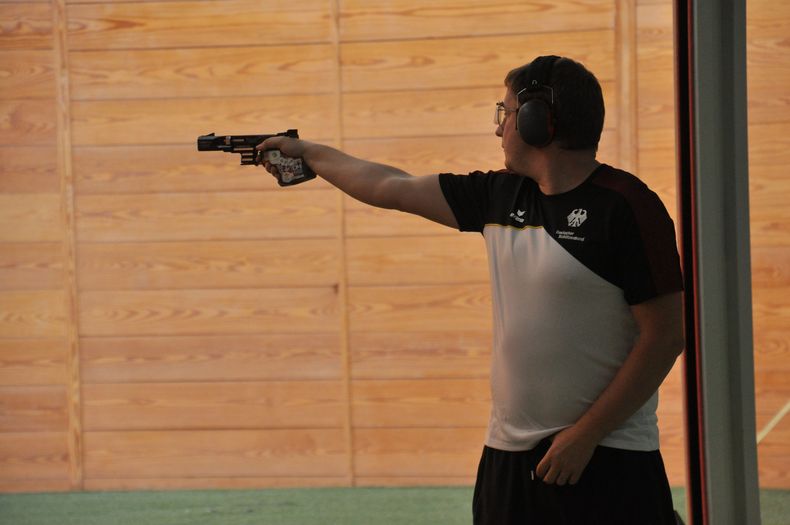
(289, 171)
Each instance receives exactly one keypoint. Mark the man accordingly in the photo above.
(586, 289)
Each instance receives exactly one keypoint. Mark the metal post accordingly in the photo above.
(713, 163)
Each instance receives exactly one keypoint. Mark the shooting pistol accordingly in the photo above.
(289, 170)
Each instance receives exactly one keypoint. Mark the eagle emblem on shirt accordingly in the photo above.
(577, 217)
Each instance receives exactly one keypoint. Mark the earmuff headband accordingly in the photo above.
(535, 118)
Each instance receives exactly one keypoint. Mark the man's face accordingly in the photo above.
(512, 144)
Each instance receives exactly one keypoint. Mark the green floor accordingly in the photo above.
(376, 506)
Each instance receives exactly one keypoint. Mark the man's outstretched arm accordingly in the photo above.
(370, 182)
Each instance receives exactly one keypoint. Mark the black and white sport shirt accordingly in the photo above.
(564, 271)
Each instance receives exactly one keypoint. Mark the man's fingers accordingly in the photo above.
(270, 143)
(551, 473)
(562, 479)
(543, 468)
(574, 479)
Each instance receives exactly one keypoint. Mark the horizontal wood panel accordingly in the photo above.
(212, 406)
(768, 185)
(362, 220)
(609, 146)
(768, 188)
(196, 24)
(109, 123)
(431, 112)
(772, 458)
(771, 310)
(420, 355)
(12, 486)
(771, 343)
(767, 18)
(33, 456)
(770, 266)
(28, 123)
(31, 266)
(195, 312)
(403, 19)
(30, 218)
(459, 154)
(415, 481)
(656, 68)
(768, 66)
(32, 362)
(672, 388)
(35, 314)
(218, 264)
(26, 26)
(769, 143)
(771, 395)
(419, 308)
(419, 403)
(221, 483)
(466, 62)
(417, 452)
(206, 72)
(416, 260)
(672, 440)
(657, 99)
(420, 113)
(243, 453)
(654, 34)
(29, 169)
(656, 150)
(26, 73)
(210, 358)
(770, 231)
(169, 169)
(33, 408)
(766, 30)
(770, 388)
(418, 156)
(655, 18)
(207, 216)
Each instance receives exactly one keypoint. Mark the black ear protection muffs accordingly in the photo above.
(535, 118)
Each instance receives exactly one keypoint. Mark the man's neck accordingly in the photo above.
(563, 172)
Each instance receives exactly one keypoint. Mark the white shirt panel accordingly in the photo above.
(561, 332)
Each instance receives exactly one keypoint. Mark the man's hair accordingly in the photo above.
(578, 101)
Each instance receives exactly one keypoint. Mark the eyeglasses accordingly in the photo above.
(501, 112)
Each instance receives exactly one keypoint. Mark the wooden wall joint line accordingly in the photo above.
(66, 176)
(627, 86)
(345, 343)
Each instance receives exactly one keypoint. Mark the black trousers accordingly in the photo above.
(618, 487)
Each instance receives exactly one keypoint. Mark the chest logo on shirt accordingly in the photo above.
(518, 216)
(577, 217)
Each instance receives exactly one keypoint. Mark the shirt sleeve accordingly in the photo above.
(647, 255)
(468, 197)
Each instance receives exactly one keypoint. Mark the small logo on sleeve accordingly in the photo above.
(577, 217)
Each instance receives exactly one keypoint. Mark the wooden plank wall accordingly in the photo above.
(768, 57)
(171, 320)
(36, 452)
